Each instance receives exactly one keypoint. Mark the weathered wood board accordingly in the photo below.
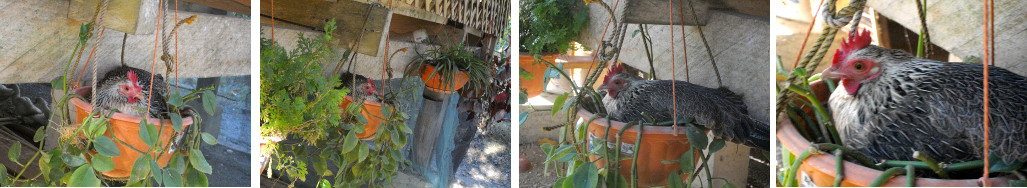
(36, 46)
(957, 27)
(135, 17)
(357, 24)
(656, 12)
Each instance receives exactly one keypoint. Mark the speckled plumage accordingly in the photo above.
(932, 107)
(719, 110)
(107, 96)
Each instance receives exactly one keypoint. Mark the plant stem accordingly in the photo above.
(839, 168)
(888, 174)
(634, 160)
(931, 163)
(910, 175)
(790, 180)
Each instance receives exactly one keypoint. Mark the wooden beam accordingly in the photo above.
(37, 46)
(655, 12)
(130, 16)
(357, 24)
(237, 6)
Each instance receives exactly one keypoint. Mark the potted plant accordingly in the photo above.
(801, 135)
(548, 27)
(299, 108)
(445, 69)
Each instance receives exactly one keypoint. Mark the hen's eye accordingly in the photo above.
(859, 66)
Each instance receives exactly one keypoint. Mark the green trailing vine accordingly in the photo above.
(550, 25)
(307, 129)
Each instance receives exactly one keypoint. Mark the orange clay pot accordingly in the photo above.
(658, 144)
(534, 86)
(436, 82)
(820, 168)
(372, 111)
(126, 128)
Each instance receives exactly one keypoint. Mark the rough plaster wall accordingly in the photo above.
(740, 45)
(957, 26)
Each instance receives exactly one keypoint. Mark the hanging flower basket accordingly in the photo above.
(373, 112)
(437, 83)
(534, 86)
(126, 128)
(658, 144)
(819, 169)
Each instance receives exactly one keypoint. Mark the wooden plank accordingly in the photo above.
(37, 46)
(129, 16)
(358, 24)
(237, 6)
(8, 139)
(427, 131)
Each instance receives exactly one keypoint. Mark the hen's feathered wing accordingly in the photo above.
(719, 110)
(935, 108)
(106, 95)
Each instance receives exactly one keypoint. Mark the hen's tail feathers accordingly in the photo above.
(732, 98)
(757, 134)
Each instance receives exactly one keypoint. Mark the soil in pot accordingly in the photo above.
(126, 128)
(658, 144)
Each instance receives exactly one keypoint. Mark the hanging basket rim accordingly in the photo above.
(620, 125)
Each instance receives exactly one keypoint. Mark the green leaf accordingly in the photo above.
(74, 160)
(210, 102)
(172, 179)
(40, 134)
(716, 145)
(3, 177)
(524, 97)
(175, 100)
(58, 83)
(140, 169)
(586, 175)
(729, 185)
(14, 152)
(176, 121)
(687, 161)
(324, 184)
(564, 153)
(83, 177)
(997, 165)
(198, 162)
(524, 117)
(675, 181)
(195, 179)
(320, 166)
(403, 128)
(362, 153)
(177, 164)
(558, 103)
(105, 146)
(1018, 183)
(209, 139)
(102, 163)
(144, 134)
(158, 173)
(350, 142)
(696, 137)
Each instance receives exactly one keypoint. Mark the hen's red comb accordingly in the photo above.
(132, 77)
(371, 83)
(614, 70)
(859, 41)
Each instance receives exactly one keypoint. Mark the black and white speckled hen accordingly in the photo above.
(126, 90)
(719, 110)
(361, 88)
(891, 103)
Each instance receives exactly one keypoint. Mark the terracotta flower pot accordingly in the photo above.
(373, 112)
(820, 168)
(437, 84)
(534, 86)
(126, 128)
(658, 144)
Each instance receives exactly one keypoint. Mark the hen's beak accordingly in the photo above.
(603, 87)
(831, 73)
(139, 96)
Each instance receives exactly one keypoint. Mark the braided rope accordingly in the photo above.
(100, 16)
(823, 43)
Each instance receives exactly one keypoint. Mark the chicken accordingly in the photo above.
(361, 88)
(126, 90)
(890, 104)
(719, 110)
